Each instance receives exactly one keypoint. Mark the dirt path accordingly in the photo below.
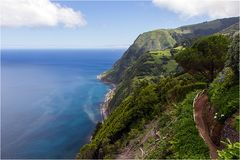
(126, 154)
(131, 150)
(199, 104)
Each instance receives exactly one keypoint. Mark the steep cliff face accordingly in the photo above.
(149, 41)
(168, 38)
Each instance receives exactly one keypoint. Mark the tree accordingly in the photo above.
(233, 55)
(205, 57)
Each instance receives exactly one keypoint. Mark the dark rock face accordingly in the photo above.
(213, 125)
(229, 132)
(220, 131)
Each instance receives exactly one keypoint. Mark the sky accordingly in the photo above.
(99, 24)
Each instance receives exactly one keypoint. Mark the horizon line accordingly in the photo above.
(66, 48)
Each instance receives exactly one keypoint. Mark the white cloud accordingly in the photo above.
(34, 13)
(192, 8)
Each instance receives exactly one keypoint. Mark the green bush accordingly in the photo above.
(233, 55)
(224, 94)
(179, 92)
(123, 122)
(232, 151)
(88, 151)
(205, 57)
(237, 123)
(186, 142)
(174, 89)
(179, 136)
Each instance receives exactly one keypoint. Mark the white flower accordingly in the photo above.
(215, 117)
(222, 115)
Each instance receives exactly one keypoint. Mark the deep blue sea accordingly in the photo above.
(50, 100)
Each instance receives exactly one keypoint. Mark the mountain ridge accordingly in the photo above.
(161, 39)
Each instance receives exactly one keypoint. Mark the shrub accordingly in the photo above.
(88, 151)
(206, 57)
(224, 94)
(186, 142)
(237, 123)
(233, 55)
(232, 151)
(179, 137)
(179, 92)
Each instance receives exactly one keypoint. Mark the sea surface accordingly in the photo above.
(50, 100)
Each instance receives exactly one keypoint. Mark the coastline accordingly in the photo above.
(104, 107)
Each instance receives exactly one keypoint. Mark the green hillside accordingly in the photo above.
(167, 38)
(151, 112)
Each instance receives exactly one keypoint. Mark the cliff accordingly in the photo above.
(167, 38)
(151, 112)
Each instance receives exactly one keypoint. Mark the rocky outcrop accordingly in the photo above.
(108, 96)
(105, 105)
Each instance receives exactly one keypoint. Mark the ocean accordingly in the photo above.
(50, 100)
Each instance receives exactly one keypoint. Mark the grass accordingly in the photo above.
(159, 54)
(187, 144)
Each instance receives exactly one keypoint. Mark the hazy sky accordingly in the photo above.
(99, 24)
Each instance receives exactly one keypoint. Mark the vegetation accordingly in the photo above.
(167, 38)
(224, 91)
(224, 94)
(147, 101)
(233, 55)
(232, 151)
(136, 107)
(180, 138)
(237, 123)
(206, 56)
(157, 79)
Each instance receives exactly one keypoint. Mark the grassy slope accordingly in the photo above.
(153, 40)
(179, 139)
(149, 66)
(148, 97)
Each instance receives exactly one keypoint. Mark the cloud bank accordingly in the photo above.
(192, 8)
(35, 13)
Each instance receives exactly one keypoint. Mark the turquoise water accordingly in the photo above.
(50, 100)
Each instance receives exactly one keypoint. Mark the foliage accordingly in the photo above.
(174, 89)
(145, 101)
(151, 85)
(148, 41)
(206, 57)
(98, 126)
(186, 142)
(148, 67)
(178, 92)
(233, 55)
(224, 94)
(123, 120)
(237, 123)
(88, 151)
(165, 38)
(152, 63)
(232, 151)
(179, 136)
